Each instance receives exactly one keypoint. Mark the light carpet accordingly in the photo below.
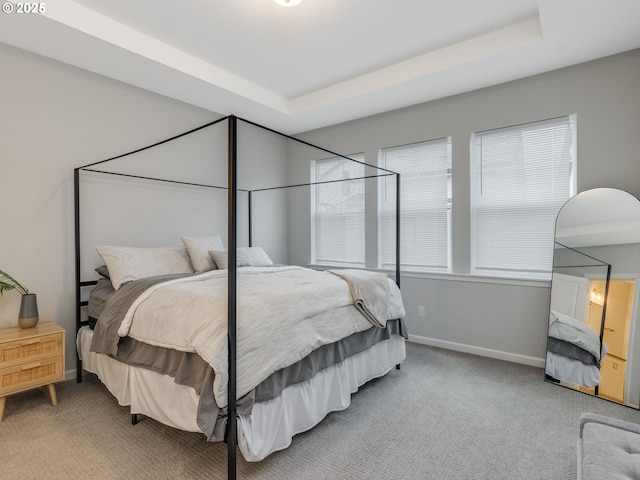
(444, 415)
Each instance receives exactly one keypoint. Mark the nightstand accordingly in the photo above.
(31, 358)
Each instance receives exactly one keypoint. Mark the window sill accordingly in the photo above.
(451, 277)
(462, 277)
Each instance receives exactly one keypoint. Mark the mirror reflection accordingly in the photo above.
(593, 343)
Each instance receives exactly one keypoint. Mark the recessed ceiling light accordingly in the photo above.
(288, 3)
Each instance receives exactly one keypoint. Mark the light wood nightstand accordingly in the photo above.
(30, 358)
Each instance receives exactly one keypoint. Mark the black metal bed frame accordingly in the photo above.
(232, 189)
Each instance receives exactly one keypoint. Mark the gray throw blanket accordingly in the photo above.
(370, 292)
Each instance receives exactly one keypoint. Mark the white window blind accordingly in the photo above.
(521, 177)
(339, 211)
(425, 205)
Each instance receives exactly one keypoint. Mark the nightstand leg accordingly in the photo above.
(2, 399)
(52, 394)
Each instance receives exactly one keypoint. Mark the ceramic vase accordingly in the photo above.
(28, 317)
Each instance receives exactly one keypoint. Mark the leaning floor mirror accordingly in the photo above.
(593, 343)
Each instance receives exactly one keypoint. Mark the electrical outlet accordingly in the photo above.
(421, 311)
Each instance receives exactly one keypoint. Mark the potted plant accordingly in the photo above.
(28, 316)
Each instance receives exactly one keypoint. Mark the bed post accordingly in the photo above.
(232, 424)
(398, 229)
(250, 219)
(76, 208)
(604, 314)
(398, 236)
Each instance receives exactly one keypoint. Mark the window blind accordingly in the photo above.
(425, 205)
(339, 212)
(522, 176)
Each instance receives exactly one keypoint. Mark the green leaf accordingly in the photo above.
(7, 282)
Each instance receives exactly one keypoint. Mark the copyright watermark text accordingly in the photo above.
(24, 8)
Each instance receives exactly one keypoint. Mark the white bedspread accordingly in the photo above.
(283, 313)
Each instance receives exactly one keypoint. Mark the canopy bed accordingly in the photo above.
(174, 332)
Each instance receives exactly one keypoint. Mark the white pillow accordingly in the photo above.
(131, 263)
(245, 257)
(198, 248)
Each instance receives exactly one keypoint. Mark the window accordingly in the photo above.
(339, 211)
(521, 177)
(425, 206)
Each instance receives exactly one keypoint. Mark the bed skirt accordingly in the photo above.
(273, 423)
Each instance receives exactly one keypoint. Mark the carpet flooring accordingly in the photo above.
(444, 415)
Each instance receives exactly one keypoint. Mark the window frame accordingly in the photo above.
(382, 191)
(316, 184)
(521, 274)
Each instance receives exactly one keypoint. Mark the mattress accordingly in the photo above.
(271, 424)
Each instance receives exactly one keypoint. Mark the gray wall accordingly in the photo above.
(502, 319)
(55, 118)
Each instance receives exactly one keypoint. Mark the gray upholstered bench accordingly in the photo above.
(608, 448)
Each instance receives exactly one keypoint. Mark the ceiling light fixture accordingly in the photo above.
(288, 3)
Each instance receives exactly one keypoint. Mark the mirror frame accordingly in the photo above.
(588, 262)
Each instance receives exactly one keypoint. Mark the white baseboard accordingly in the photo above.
(434, 342)
(481, 351)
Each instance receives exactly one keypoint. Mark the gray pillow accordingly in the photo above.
(103, 271)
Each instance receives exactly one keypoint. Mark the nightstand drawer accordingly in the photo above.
(30, 374)
(30, 349)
